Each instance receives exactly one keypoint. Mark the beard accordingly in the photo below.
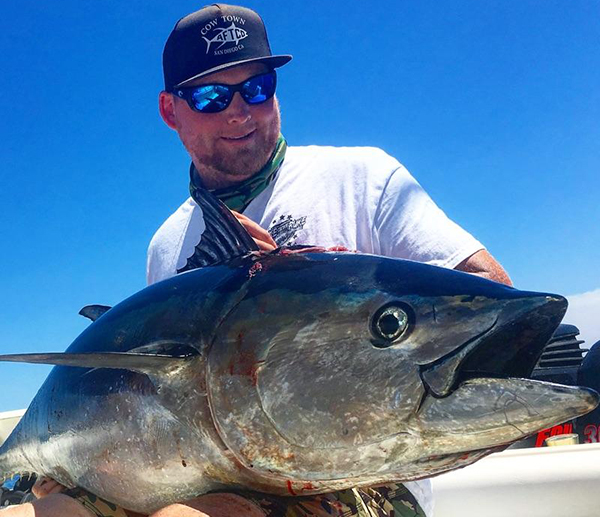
(221, 166)
(245, 161)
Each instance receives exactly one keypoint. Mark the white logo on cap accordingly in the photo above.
(231, 34)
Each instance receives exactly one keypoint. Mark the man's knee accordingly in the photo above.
(212, 505)
(54, 505)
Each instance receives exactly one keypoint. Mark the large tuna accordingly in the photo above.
(290, 373)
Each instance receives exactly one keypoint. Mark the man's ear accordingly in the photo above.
(166, 106)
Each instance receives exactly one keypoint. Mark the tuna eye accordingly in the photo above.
(389, 323)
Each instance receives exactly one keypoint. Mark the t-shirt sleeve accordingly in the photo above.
(159, 264)
(409, 225)
(174, 242)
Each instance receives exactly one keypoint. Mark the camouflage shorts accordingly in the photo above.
(99, 507)
(393, 500)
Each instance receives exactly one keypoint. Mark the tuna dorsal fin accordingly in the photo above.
(150, 364)
(223, 239)
(93, 312)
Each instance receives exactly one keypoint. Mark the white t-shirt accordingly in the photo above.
(357, 197)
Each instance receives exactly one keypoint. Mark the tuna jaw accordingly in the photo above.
(487, 412)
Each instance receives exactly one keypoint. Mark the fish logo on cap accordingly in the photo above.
(231, 34)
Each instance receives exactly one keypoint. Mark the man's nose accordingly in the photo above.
(238, 111)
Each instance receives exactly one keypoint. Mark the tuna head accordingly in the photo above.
(342, 369)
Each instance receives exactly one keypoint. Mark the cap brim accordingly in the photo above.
(272, 61)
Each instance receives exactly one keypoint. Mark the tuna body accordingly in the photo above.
(293, 374)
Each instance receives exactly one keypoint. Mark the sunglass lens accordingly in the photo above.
(211, 98)
(260, 88)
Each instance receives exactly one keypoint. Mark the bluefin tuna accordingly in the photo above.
(299, 371)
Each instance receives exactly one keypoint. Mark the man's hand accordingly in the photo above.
(483, 264)
(45, 486)
(261, 236)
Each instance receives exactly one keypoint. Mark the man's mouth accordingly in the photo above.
(239, 138)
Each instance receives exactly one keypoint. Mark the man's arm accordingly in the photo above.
(483, 264)
(480, 263)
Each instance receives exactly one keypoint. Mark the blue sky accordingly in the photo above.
(493, 106)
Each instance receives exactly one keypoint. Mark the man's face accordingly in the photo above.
(229, 146)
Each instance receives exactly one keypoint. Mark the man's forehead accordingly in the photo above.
(233, 75)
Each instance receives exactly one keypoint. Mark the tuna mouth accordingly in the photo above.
(509, 348)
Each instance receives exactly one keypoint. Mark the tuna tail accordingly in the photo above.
(149, 364)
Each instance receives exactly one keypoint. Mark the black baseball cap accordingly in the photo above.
(216, 37)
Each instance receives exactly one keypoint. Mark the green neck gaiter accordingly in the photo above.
(238, 197)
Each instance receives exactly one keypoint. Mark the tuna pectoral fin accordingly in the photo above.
(482, 413)
(143, 363)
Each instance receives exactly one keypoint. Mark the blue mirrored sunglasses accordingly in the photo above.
(212, 98)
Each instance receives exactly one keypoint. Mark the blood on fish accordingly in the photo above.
(244, 362)
(308, 486)
(256, 268)
(289, 487)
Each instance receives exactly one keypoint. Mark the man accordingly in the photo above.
(219, 97)
(360, 198)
